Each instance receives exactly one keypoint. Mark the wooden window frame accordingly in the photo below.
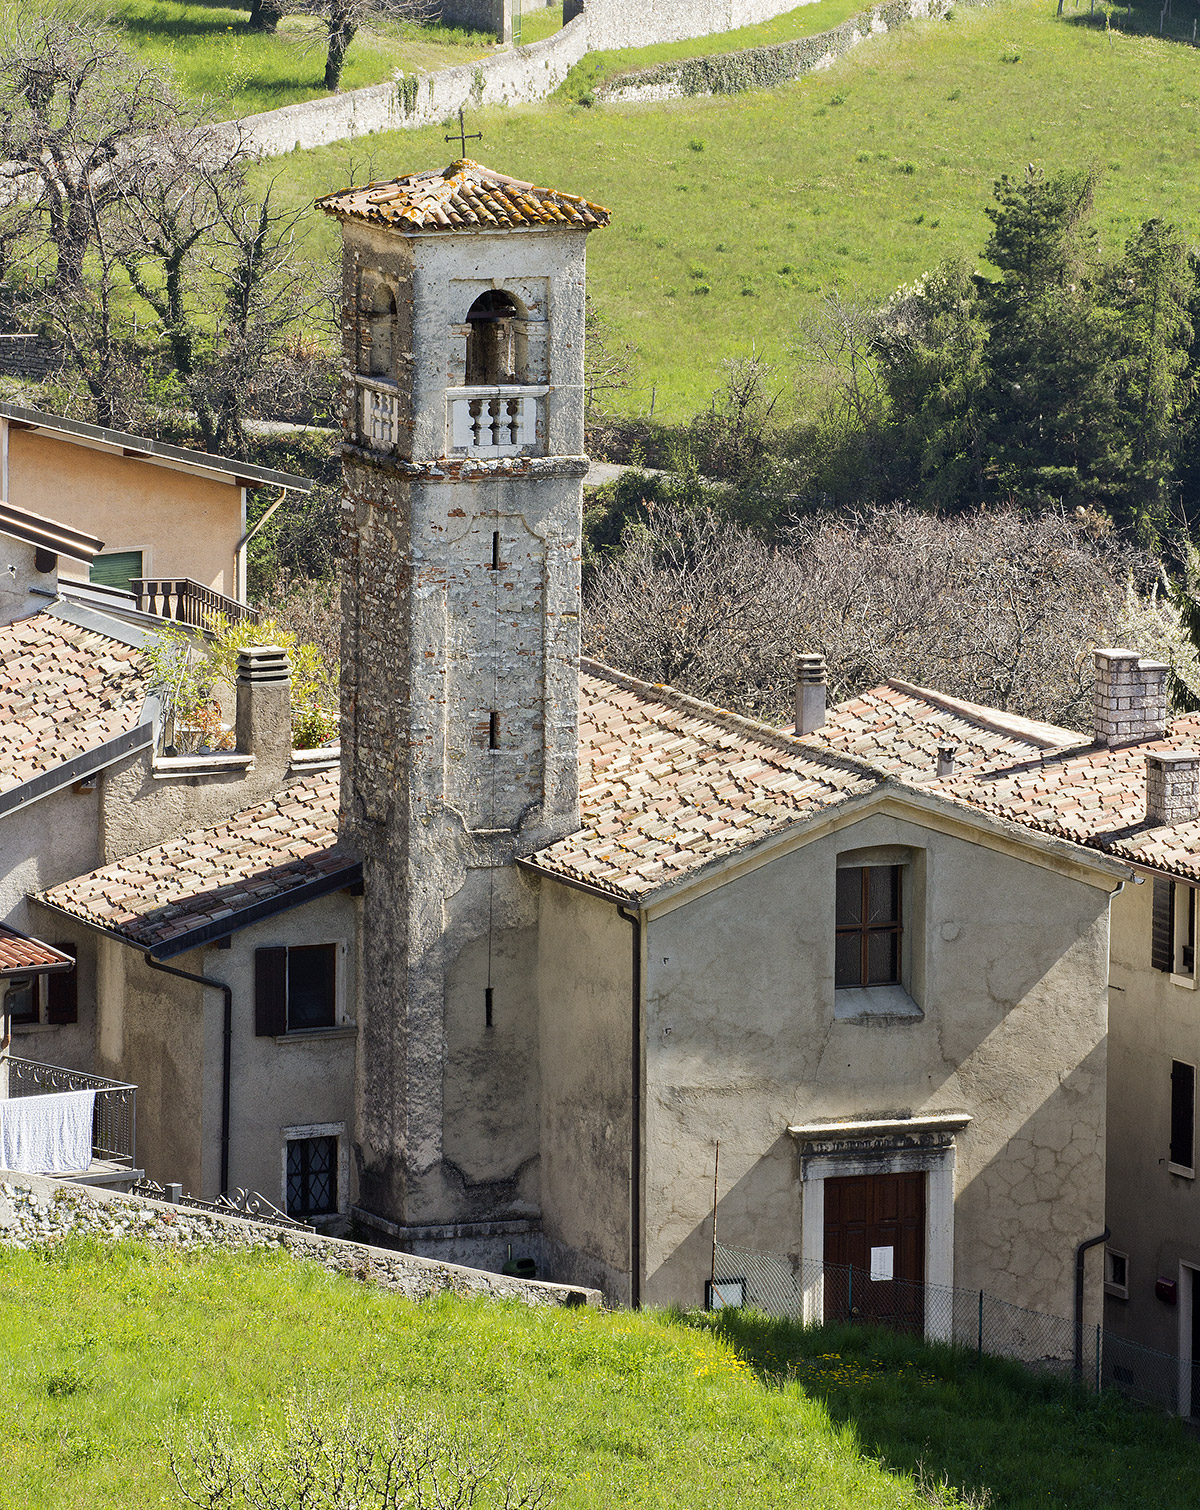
(866, 930)
(272, 1012)
(1180, 1096)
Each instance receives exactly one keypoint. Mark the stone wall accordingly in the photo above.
(27, 356)
(642, 23)
(35, 1211)
(764, 67)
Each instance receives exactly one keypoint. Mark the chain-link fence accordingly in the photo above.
(812, 1291)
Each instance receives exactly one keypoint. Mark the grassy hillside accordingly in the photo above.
(108, 1354)
(732, 215)
(209, 49)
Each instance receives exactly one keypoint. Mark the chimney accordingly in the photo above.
(1131, 698)
(945, 761)
(1172, 787)
(810, 693)
(264, 704)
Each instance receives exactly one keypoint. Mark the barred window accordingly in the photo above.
(868, 926)
(312, 1177)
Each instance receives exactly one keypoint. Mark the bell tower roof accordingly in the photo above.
(463, 197)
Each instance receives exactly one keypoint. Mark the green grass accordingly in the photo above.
(856, 178)
(210, 51)
(537, 25)
(108, 1354)
(805, 21)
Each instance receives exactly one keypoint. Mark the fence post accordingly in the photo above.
(980, 1346)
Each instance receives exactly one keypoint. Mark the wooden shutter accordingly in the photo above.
(62, 992)
(270, 992)
(116, 569)
(1162, 926)
(1183, 1114)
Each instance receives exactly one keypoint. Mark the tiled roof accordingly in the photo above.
(901, 727)
(463, 196)
(20, 955)
(204, 879)
(1091, 794)
(65, 690)
(669, 784)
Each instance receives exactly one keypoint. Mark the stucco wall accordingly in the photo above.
(585, 980)
(1154, 1214)
(741, 1042)
(185, 526)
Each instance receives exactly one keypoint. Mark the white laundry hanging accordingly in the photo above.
(49, 1134)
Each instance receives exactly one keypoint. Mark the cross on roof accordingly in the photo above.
(462, 136)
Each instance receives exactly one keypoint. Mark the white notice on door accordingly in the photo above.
(881, 1263)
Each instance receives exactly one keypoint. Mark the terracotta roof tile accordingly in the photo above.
(464, 196)
(210, 874)
(20, 955)
(693, 784)
(65, 690)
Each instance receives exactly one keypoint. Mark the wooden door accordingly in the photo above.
(875, 1250)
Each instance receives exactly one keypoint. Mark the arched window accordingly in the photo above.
(381, 330)
(491, 339)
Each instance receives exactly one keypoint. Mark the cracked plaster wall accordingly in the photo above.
(741, 1041)
(434, 641)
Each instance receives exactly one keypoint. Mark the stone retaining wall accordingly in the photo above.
(35, 1211)
(764, 67)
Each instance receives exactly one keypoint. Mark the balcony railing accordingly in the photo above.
(187, 602)
(499, 421)
(379, 413)
(114, 1119)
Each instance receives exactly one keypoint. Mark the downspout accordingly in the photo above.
(1080, 1256)
(227, 1053)
(635, 1100)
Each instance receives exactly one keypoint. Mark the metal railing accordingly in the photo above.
(187, 602)
(813, 1292)
(246, 1203)
(114, 1119)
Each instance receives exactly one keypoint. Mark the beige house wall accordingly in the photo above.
(1154, 1214)
(585, 984)
(185, 525)
(742, 1040)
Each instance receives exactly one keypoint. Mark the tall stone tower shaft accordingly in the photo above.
(463, 331)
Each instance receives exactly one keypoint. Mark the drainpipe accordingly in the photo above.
(227, 1053)
(635, 1099)
(1080, 1255)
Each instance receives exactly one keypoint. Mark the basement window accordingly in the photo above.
(1116, 1273)
(312, 1177)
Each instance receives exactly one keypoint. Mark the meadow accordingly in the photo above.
(733, 216)
(110, 1355)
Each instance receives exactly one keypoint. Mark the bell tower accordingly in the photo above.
(463, 329)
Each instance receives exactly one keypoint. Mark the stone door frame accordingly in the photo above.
(881, 1146)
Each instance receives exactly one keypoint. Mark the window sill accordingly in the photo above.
(1179, 1169)
(878, 1004)
(1118, 1292)
(40, 1027)
(313, 1035)
(1187, 981)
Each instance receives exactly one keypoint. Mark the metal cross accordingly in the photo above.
(462, 135)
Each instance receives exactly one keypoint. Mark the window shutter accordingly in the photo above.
(270, 992)
(1162, 930)
(1183, 1114)
(62, 992)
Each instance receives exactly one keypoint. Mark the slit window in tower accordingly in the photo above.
(493, 730)
(487, 1007)
(495, 550)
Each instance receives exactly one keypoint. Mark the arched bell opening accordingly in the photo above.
(379, 329)
(492, 339)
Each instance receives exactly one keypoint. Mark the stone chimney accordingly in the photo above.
(264, 704)
(1172, 787)
(810, 693)
(1131, 698)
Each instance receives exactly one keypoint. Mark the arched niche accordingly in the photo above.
(379, 332)
(495, 340)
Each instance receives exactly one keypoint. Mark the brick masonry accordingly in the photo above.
(1131, 698)
(1173, 787)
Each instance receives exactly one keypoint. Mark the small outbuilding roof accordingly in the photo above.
(22, 955)
(48, 534)
(462, 197)
(212, 881)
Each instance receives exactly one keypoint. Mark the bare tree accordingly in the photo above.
(75, 111)
(999, 607)
(363, 1459)
(342, 19)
